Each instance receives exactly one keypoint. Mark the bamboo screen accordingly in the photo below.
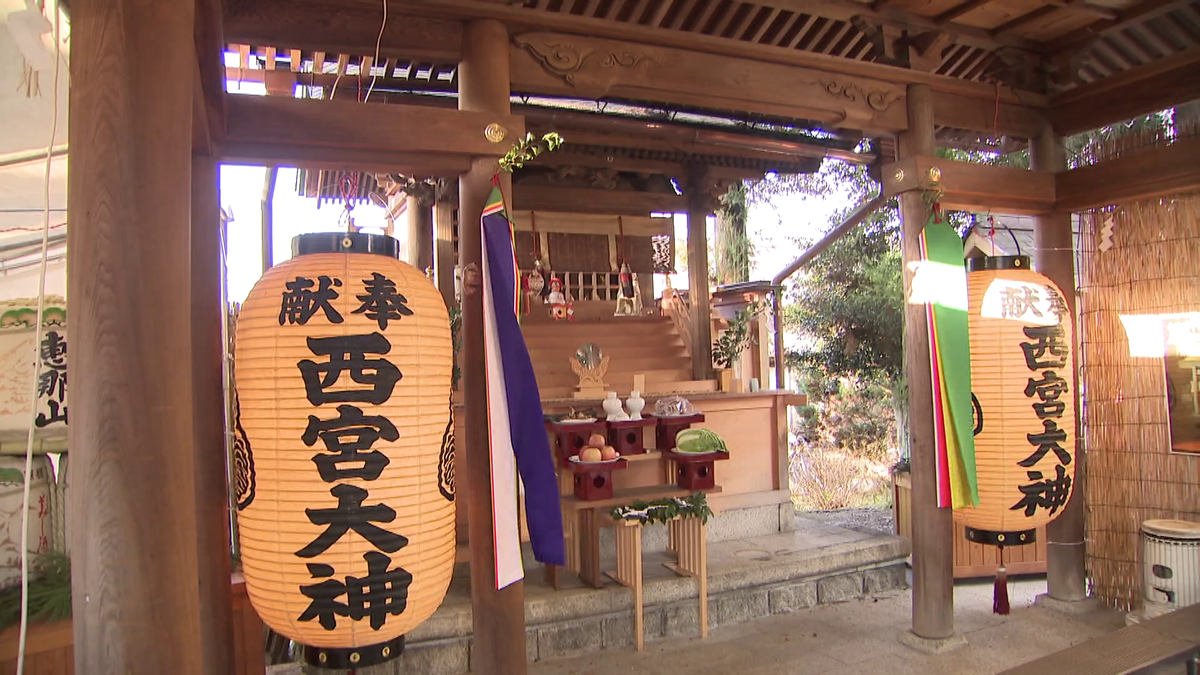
(1152, 267)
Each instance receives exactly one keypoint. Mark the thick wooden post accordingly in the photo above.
(139, 582)
(498, 616)
(420, 229)
(699, 208)
(212, 482)
(446, 203)
(1066, 573)
(932, 547)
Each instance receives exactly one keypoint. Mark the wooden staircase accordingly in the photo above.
(649, 346)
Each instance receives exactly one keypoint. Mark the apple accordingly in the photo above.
(608, 452)
(590, 455)
(597, 441)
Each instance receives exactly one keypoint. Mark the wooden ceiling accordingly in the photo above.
(1105, 36)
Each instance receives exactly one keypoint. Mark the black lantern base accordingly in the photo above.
(357, 657)
(1015, 538)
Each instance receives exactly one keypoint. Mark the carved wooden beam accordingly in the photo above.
(597, 68)
(568, 65)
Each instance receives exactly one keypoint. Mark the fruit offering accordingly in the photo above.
(590, 455)
(597, 441)
(608, 453)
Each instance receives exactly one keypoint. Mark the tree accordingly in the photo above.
(734, 249)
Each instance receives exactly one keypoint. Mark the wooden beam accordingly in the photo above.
(138, 511)
(959, 10)
(583, 200)
(591, 223)
(1135, 14)
(351, 28)
(1138, 91)
(520, 19)
(210, 62)
(1167, 170)
(933, 530)
(278, 130)
(973, 187)
(974, 114)
(699, 206)
(498, 615)
(1026, 18)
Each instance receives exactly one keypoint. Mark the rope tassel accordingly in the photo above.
(1000, 590)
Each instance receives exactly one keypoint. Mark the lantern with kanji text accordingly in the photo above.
(344, 448)
(1021, 375)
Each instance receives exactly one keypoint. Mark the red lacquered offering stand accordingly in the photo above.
(628, 437)
(694, 471)
(667, 427)
(593, 480)
(571, 437)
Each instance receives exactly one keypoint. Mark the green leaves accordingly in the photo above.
(729, 347)
(663, 510)
(527, 149)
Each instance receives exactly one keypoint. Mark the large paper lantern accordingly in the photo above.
(343, 455)
(1021, 367)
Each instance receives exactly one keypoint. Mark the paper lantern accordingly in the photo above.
(343, 448)
(1021, 367)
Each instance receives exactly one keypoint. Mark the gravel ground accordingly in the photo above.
(878, 520)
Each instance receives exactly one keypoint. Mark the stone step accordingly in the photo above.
(749, 579)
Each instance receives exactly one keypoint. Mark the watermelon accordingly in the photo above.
(698, 441)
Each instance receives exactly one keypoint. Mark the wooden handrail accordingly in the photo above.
(679, 311)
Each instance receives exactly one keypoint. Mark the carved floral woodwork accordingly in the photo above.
(591, 67)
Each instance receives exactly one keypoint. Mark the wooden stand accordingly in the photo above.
(569, 438)
(691, 471)
(629, 571)
(629, 436)
(688, 539)
(667, 427)
(593, 480)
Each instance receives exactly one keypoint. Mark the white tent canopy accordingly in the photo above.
(27, 108)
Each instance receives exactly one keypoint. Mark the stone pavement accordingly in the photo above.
(860, 636)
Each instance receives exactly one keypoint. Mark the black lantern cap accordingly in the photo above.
(357, 657)
(345, 242)
(998, 262)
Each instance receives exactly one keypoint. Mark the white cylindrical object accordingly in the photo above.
(40, 522)
(1170, 565)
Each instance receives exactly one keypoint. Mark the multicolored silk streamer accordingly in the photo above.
(950, 361)
(516, 430)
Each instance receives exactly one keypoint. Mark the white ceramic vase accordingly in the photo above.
(612, 406)
(634, 404)
(40, 521)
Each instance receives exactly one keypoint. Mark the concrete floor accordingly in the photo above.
(862, 637)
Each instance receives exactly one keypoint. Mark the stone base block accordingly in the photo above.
(932, 645)
(840, 588)
(1069, 607)
(793, 597)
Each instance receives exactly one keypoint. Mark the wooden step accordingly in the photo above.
(617, 363)
(653, 378)
(682, 387)
(571, 342)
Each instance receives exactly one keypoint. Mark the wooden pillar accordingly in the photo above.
(1066, 573)
(212, 481)
(420, 228)
(498, 616)
(699, 209)
(932, 545)
(446, 203)
(138, 579)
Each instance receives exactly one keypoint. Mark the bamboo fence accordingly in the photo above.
(1151, 268)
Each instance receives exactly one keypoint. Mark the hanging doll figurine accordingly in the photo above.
(534, 284)
(626, 293)
(560, 303)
